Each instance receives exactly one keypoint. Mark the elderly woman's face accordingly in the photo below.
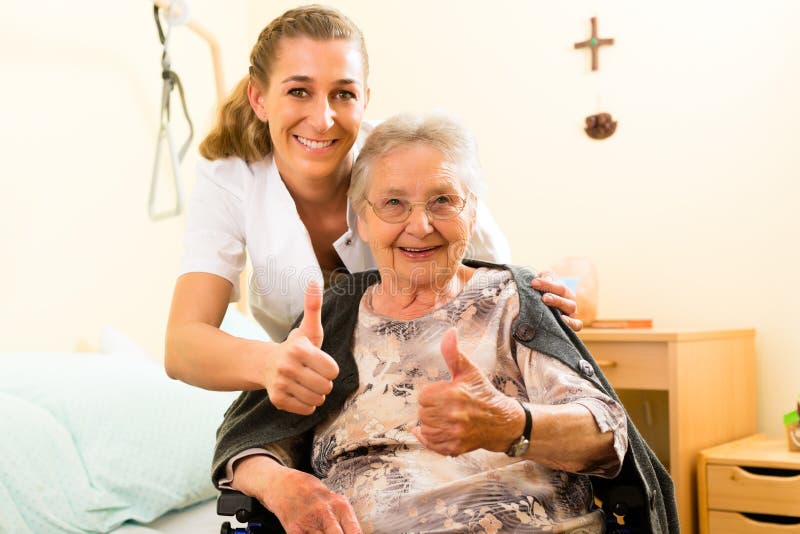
(422, 250)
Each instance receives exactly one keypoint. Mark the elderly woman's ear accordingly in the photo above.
(472, 206)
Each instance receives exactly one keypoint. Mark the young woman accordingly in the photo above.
(273, 183)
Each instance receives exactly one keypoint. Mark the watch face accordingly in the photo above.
(519, 447)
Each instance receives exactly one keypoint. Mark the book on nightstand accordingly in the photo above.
(621, 323)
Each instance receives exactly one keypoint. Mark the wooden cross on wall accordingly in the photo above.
(594, 43)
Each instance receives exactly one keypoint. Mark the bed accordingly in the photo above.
(104, 441)
(201, 518)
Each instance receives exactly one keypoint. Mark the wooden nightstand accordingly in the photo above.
(749, 486)
(685, 379)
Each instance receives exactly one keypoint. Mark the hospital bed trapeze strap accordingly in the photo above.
(246, 510)
(170, 81)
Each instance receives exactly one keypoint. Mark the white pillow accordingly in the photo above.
(90, 441)
(114, 341)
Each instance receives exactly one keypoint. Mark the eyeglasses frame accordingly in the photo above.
(427, 211)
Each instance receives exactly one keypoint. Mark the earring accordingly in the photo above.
(260, 99)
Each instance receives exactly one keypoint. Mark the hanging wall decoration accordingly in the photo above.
(598, 126)
(594, 42)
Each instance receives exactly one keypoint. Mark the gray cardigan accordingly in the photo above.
(252, 421)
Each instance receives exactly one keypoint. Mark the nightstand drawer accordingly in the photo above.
(635, 365)
(733, 523)
(734, 488)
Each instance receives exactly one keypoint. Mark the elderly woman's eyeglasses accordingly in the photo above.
(438, 207)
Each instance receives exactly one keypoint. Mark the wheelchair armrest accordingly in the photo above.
(625, 509)
(247, 510)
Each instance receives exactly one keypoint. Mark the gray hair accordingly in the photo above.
(437, 130)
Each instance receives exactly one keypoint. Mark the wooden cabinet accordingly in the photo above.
(749, 486)
(686, 390)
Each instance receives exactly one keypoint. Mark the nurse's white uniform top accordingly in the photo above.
(237, 207)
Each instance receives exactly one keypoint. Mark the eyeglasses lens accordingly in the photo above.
(439, 207)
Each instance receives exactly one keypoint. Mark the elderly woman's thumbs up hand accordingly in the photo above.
(300, 374)
(466, 412)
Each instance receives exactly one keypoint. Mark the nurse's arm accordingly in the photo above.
(296, 373)
(197, 351)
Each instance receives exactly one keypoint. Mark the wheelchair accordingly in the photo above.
(247, 510)
(623, 507)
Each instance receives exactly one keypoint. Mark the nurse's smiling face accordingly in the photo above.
(314, 105)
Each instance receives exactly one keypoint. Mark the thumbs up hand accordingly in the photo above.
(299, 374)
(466, 412)
(311, 324)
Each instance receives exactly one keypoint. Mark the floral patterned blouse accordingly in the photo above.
(366, 451)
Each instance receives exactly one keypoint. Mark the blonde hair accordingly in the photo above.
(237, 130)
(437, 130)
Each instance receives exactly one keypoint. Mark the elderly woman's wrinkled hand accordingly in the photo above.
(559, 296)
(304, 504)
(300, 374)
(466, 412)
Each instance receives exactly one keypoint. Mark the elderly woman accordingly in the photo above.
(462, 404)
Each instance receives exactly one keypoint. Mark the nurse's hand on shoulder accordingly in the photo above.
(557, 295)
(299, 373)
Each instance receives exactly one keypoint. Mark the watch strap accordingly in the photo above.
(521, 444)
(526, 433)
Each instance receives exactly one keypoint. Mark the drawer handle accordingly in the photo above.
(770, 472)
(777, 476)
(606, 363)
(772, 519)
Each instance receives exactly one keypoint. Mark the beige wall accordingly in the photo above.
(687, 210)
(79, 101)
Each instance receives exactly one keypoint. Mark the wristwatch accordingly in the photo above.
(521, 444)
